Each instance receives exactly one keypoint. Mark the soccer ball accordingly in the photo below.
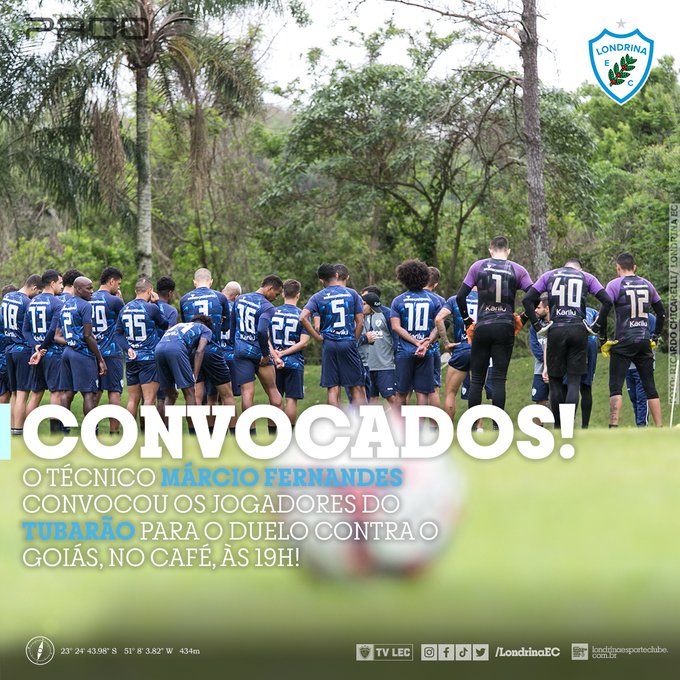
(386, 529)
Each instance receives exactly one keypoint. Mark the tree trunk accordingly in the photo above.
(532, 139)
(144, 261)
(428, 241)
(456, 249)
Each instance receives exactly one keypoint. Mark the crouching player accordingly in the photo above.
(179, 356)
(137, 334)
(288, 339)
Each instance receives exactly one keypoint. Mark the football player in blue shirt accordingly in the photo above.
(82, 363)
(413, 315)
(288, 339)
(70, 275)
(432, 285)
(5, 391)
(18, 352)
(231, 291)
(106, 305)
(40, 314)
(341, 319)
(179, 355)
(459, 362)
(540, 393)
(633, 297)
(205, 301)
(165, 289)
(250, 325)
(137, 334)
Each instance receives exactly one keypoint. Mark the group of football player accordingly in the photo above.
(60, 335)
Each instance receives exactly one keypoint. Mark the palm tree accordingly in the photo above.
(78, 91)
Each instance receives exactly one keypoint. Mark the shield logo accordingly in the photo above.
(364, 651)
(621, 62)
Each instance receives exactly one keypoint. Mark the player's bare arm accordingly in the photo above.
(198, 356)
(304, 320)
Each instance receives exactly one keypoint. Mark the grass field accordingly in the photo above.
(520, 377)
(547, 552)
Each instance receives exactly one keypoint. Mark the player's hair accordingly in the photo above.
(544, 298)
(34, 281)
(341, 271)
(143, 284)
(165, 285)
(110, 273)
(626, 261)
(70, 276)
(202, 274)
(326, 272)
(49, 276)
(291, 288)
(232, 287)
(574, 261)
(202, 318)
(272, 280)
(9, 288)
(413, 274)
(499, 243)
(435, 274)
(371, 289)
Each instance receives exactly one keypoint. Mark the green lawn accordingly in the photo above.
(546, 552)
(520, 377)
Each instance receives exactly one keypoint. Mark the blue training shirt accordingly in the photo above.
(13, 310)
(184, 337)
(250, 322)
(73, 316)
(336, 307)
(416, 311)
(286, 329)
(105, 311)
(210, 303)
(42, 314)
(137, 328)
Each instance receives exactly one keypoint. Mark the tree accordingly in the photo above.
(519, 26)
(421, 151)
(169, 51)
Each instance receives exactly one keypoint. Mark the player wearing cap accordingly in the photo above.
(380, 345)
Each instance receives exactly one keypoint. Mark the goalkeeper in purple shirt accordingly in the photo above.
(497, 279)
(567, 331)
(633, 297)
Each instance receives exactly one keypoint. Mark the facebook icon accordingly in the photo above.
(446, 653)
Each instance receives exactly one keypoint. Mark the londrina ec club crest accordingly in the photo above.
(621, 62)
